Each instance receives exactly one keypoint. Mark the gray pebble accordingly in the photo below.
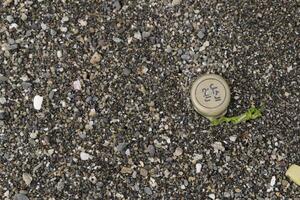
(126, 71)
(3, 78)
(201, 34)
(151, 150)
(146, 34)
(60, 185)
(121, 147)
(2, 100)
(10, 18)
(26, 85)
(20, 197)
(117, 5)
(148, 190)
(2, 115)
(185, 57)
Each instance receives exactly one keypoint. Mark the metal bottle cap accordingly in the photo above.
(210, 95)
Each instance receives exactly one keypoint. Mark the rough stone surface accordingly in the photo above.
(135, 91)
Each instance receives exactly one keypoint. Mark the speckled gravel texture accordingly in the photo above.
(127, 129)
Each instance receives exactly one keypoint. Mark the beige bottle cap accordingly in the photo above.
(210, 95)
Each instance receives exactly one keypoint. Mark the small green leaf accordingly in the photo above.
(251, 113)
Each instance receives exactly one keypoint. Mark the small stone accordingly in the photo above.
(33, 135)
(2, 115)
(198, 168)
(117, 40)
(293, 173)
(60, 185)
(273, 181)
(63, 29)
(233, 138)
(126, 170)
(37, 102)
(212, 196)
(92, 112)
(23, 17)
(176, 2)
(137, 35)
(27, 178)
(10, 18)
(117, 5)
(3, 78)
(59, 54)
(178, 151)
(146, 34)
(143, 172)
(226, 194)
(126, 71)
(44, 26)
(201, 34)
(151, 150)
(203, 47)
(82, 22)
(96, 58)
(148, 190)
(85, 156)
(77, 85)
(121, 147)
(20, 196)
(2, 100)
(218, 146)
(185, 57)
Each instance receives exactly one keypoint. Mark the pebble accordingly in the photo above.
(178, 151)
(95, 59)
(176, 2)
(85, 156)
(60, 185)
(121, 147)
(137, 35)
(126, 170)
(37, 102)
(20, 196)
(146, 34)
(2, 115)
(10, 18)
(201, 34)
(212, 196)
(27, 178)
(151, 150)
(77, 85)
(2, 100)
(233, 138)
(33, 135)
(44, 26)
(59, 54)
(143, 172)
(226, 194)
(82, 22)
(203, 47)
(148, 190)
(117, 5)
(218, 146)
(198, 168)
(273, 181)
(126, 71)
(3, 78)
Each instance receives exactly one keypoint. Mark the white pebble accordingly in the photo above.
(27, 178)
(37, 102)
(176, 2)
(85, 156)
(137, 35)
(59, 54)
(232, 138)
(212, 196)
(44, 26)
(77, 85)
(273, 181)
(82, 22)
(198, 168)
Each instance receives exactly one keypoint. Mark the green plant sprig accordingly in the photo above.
(251, 113)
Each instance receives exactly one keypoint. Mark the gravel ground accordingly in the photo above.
(116, 121)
